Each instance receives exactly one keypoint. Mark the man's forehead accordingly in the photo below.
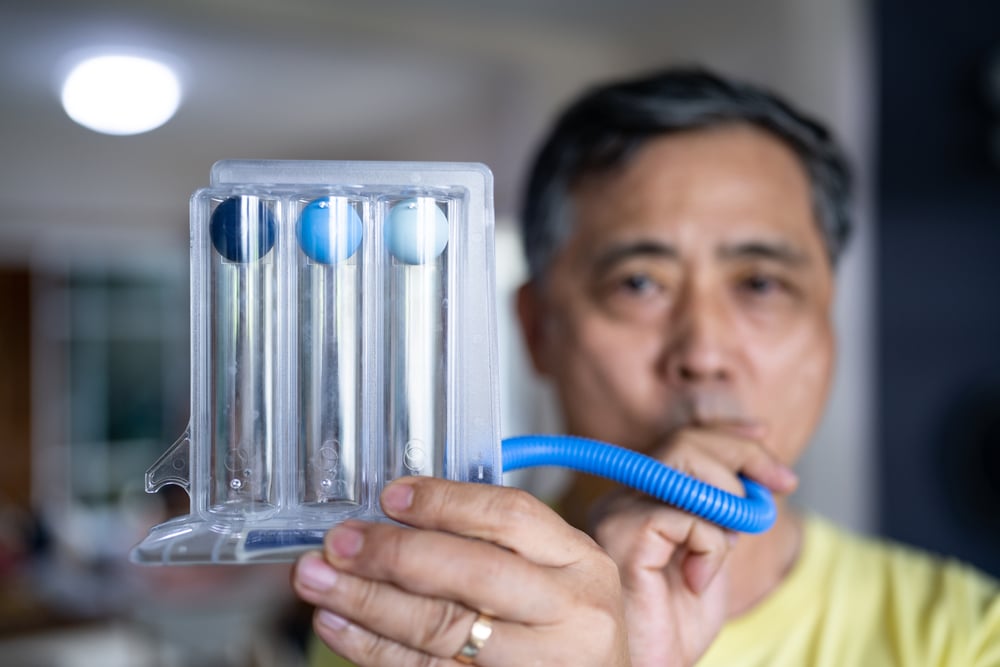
(718, 191)
(736, 162)
(738, 248)
(682, 228)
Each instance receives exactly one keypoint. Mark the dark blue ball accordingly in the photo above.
(242, 229)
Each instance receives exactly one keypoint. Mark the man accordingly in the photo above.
(681, 232)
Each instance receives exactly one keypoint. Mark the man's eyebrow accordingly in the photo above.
(621, 252)
(775, 251)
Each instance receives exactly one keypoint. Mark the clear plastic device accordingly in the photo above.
(342, 335)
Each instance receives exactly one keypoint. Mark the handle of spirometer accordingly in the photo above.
(754, 513)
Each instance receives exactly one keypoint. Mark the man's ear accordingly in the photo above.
(531, 314)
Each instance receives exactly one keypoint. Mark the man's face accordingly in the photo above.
(694, 290)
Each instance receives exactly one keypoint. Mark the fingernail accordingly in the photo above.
(398, 497)
(346, 541)
(330, 620)
(314, 573)
(698, 578)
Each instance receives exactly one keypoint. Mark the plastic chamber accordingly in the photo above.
(342, 335)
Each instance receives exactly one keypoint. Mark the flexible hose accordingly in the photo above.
(753, 514)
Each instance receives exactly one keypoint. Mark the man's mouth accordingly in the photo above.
(713, 409)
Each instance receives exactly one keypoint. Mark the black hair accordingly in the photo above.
(606, 126)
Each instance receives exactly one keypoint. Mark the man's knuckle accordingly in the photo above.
(379, 651)
(607, 570)
(365, 598)
(442, 622)
(440, 495)
(513, 505)
(391, 548)
(371, 647)
(682, 461)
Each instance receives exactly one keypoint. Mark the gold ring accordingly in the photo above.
(480, 631)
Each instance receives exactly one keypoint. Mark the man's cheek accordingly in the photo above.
(796, 410)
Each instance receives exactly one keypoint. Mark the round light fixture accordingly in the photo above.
(121, 94)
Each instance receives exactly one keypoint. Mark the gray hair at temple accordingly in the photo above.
(604, 128)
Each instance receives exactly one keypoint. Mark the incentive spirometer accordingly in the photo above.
(343, 335)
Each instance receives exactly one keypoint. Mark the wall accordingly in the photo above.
(938, 277)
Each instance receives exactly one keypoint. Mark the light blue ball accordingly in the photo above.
(330, 230)
(416, 230)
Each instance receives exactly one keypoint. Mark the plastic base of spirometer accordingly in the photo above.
(342, 335)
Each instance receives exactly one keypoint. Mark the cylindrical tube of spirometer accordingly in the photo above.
(242, 329)
(329, 232)
(416, 235)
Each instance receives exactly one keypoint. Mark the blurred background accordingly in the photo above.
(94, 324)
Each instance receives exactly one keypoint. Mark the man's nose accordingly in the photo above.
(699, 341)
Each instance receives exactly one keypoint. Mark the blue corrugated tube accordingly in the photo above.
(753, 514)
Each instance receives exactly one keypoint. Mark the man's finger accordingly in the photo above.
(738, 454)
(505, 516)
(428, 563)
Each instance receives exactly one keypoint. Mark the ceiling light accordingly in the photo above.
(121, 94)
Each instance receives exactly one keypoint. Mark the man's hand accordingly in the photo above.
(391, 595)
(673, 565)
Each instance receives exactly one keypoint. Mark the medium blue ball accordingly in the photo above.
(330, 230)
(242, 229)
(416, 230)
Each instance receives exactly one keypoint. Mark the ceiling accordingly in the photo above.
(323, 79)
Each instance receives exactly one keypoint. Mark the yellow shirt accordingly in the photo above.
(855, 602)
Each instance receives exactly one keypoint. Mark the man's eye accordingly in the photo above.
(763, 285)
(635, 294)
(760, 284)
(639, 284)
